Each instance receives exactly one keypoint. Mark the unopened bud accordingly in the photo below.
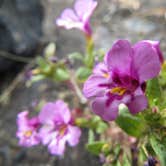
(106, 148)
(50, 50)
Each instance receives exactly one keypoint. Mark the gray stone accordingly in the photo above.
(20, 28)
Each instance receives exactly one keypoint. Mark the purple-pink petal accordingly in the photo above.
(57, 146)
(85, 8)
(137, 104)
(93, 88)
(156, 46)
(69, 20)
(45, 133)
(100, 69)
(119, 57)
(107, 112)
(52, 112)
(145, 64)
(27, 130)
(73, 135)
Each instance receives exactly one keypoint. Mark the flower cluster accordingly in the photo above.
(52, 127)
(79, 17)
(119, 78)
(122, 76)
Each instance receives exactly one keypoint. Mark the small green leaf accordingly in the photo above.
(95, 147)
(160, 149)
(133, 125)
(82, 73)
(101, 127)
(76, 55)
(41, 62)
(91, 136)
(37, 78)
(153, 91)
(61, 75)
(43, 65)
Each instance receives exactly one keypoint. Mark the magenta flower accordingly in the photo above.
(27, 130)
(57, 127)
(79, 17)
(121, 78)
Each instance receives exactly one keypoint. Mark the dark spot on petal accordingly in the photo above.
(143, 86)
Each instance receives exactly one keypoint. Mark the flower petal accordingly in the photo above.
(85, 8)
(156, 46)
(146, 63)
(139, 103)
(92, 86)
(57, 146)
(45, 133)
(100, 69)
(73, 135)
(63, 111)
(22, 120)
(69, 19)
(106, 112)
(119, 57)
(55, 112)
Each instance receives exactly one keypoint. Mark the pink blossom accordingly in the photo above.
(79, 17)
(27, 130)
(57, 127)
(122, 77)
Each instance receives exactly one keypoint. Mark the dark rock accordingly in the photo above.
(20, 28)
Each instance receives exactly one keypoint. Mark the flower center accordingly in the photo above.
(28, 133)
(106, 75)
(118, 90)
(62, 130)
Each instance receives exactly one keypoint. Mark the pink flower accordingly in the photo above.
(57, 127)
(27, 130)
(79, 17)
(122, 77)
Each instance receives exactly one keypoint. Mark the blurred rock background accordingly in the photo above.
(26, 26)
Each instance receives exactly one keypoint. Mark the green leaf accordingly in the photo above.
(43, 65)
(37, 78)
(153, 91)
(126, 161)
(82, 73)
(61, 75)
(101, 127)
(95, 147)
(75, 55)
(91, 136)
(160, 149)
(162, 78)
(41, 62)
(133, 125)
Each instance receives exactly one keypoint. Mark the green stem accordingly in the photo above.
(13, 57)
(89, 59)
